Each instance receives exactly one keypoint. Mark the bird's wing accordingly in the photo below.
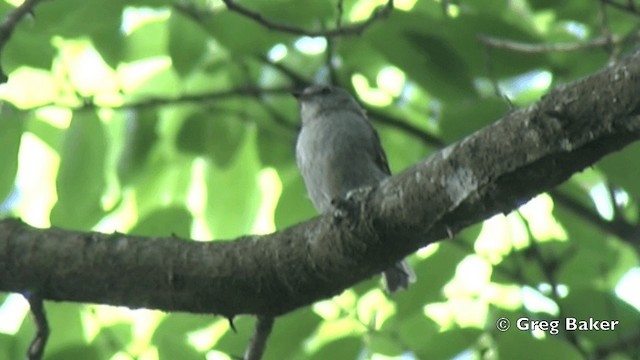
(380, 156)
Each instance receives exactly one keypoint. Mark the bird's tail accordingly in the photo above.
(398, 277)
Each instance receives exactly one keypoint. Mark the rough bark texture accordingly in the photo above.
(493, 170)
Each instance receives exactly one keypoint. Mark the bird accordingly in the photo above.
(337, 151)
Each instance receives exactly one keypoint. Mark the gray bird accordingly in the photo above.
(338, 151)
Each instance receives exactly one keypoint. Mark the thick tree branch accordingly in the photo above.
(493, 170)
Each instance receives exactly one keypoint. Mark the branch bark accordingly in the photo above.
(493, 170)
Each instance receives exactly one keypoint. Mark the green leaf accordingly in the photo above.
(413, 43)
(521, 345)
(27, 47)
(464, 119)
(275, 144)
(342, 348)
(256, 41)
(160, 82)
(417, 331)
(619, 172)
(187, 43)
(294, 204)
(100, 21)
(432, 274)
(81, 176)
(289, 334)
(139, 139)
(7, 343)
(110, 44)
(86, 17)
(147, 40)
(600, 306)
(49, 134)
(163, 182)
(11, 128)
(67, 322)
(74, 352)
(174, 220)
(448, 344)
(213, 135)
(385, 345)
(234, 343)
(171, 336)
(236, 184)
(113, 339)
(287, 12)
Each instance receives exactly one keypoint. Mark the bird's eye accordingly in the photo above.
(325, 90)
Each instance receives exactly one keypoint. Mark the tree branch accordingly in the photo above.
(620, 228)
(599, 42)
(258, 341)
(36, 349)
(352, 29)
(493, 170)
(246, 91)
(9, 23)
(628, 7)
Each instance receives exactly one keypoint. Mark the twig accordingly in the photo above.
(629, 7)
(298, 80)
(375, 115)
(330, 56)
(409, 128)
(258, 341)
(9, 23)
(354, 28)
(606, 31)
(36, 349)
(602, 41)
(488, 65)
(619, 228)
(249, 91)
(340, 9)
(192, 11)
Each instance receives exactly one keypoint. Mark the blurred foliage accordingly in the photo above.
(134, 116)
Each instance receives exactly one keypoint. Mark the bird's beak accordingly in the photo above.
(297, 93)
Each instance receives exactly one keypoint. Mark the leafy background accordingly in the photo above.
(152, 117)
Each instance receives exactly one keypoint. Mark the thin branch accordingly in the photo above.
(298, 80)
(36, 349)
(192, 11)
(248, 91)
(611, 48)
(375, 115)
(629, 7)
(489, 69)
(409, 128)
(620, 228)
(9, 24)
(599, 42)
(258, 341)
(340, 9)
(352, 29)
(329, 61)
